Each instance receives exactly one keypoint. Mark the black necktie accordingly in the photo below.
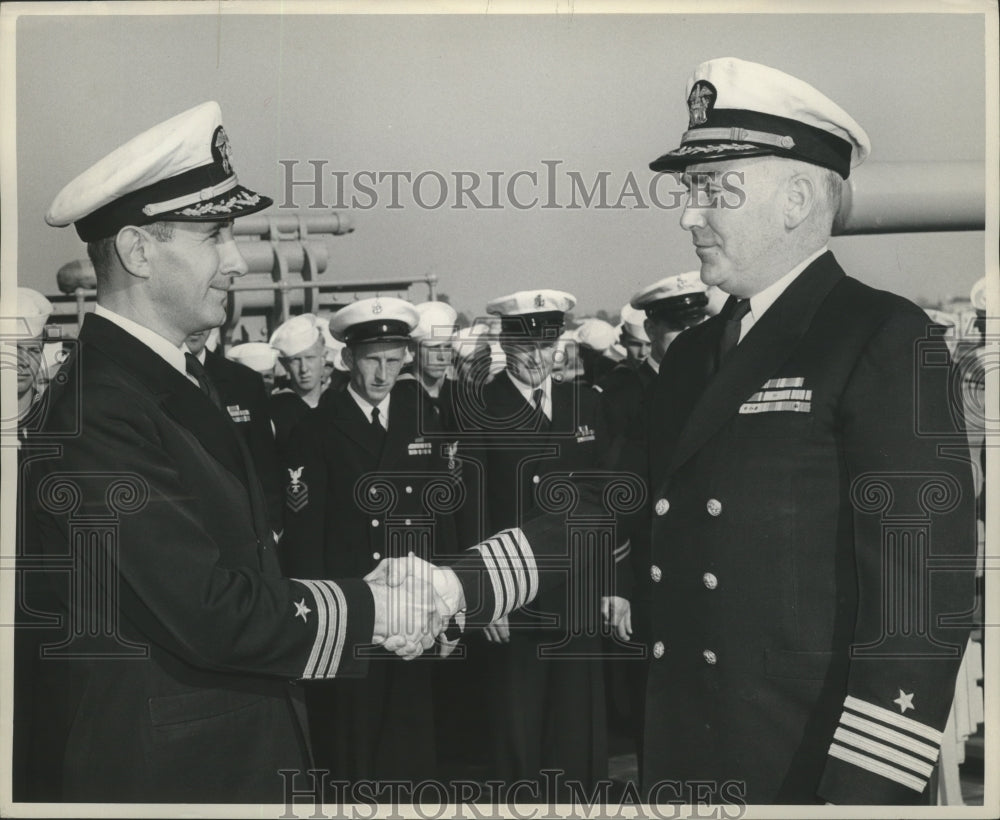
(541, 420)
(197, 369)
(732, 315)
(376, 425)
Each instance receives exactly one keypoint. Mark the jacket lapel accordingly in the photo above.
(766, 347)
(402, 425)
(348, 418)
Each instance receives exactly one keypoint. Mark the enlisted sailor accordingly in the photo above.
(28, 333)
(301, 352)
(548, 711)
(260, 357)
(365, 473)
(671, 305)
(595, 338)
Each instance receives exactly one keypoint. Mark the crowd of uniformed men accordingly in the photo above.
(680, 492)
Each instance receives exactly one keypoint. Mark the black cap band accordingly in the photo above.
(677, 307)
(234, 201)
(543, 325)
(752, 133)
(377, 330)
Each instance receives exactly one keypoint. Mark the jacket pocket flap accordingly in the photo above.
(198, 705)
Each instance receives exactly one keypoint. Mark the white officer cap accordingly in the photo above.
(436, 323)
(539, 313)
(180, 170)
(742, 109)
(33, 311)
(258, 356)
(380, 319)
(672, 294)
(297, 334)
(596, 334)
(633, 323)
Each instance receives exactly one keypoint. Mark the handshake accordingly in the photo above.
(414, 603)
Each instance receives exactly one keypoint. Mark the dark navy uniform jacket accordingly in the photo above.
(354, 497)
(166, 677)
(810, 530)
(245, 398)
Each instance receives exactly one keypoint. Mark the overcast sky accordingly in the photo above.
(489, 95)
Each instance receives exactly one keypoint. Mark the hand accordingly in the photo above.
(407, 619)
(617, 614)
(498, 631)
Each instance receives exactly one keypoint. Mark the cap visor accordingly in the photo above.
(236, 202)
(680, 158)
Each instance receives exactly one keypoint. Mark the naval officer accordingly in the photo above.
(801, 649)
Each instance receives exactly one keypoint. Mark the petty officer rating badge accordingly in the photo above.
(297, 492)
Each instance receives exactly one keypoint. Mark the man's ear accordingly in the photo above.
(133, 246)
(801, 192)
(347, 356)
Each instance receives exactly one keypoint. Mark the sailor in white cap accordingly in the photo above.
(546, 711)
(433, 337)
(260, 357)
(632, 335)
(301, 353)
(370, 456)
(335, 374)
(33, 311)
(671, 305)
(595, 337)
(785, 436)
(197, 626)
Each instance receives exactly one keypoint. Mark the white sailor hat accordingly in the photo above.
(633, 323)
(323, 323)
(742, 109)
(180, 170)
(33, 311)
(469, 339)
(596, 334)
(672, 298)
(978, 295)
(258, 356)
(334, 348)
(297, 334)
(436, 324)
(380, 319)
(539, 313)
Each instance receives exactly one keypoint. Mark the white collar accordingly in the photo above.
(200, 355)
(367, 407)
(528, 392)
(171, 353)
(760, 302)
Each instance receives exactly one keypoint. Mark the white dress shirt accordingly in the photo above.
(367, 407)
(528, 391)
